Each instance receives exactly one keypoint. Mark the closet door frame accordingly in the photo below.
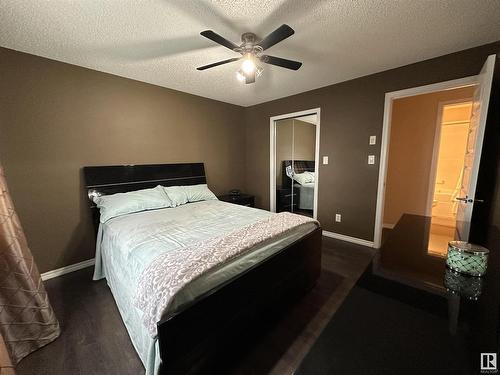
(272, 155)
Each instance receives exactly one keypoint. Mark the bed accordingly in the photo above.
(306, 190)
(218, 308)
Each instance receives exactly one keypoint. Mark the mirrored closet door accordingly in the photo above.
(295, 164)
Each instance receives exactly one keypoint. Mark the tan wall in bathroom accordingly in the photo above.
(450, 162)
(451, 154)
(413, 129)
(457, 113)
(453, 140)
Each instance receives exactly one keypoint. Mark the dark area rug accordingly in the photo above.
(373, 334)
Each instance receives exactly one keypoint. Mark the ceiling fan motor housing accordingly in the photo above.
(248, 44)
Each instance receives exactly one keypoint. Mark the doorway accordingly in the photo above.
(418, 161)
(294, 144)
(447, 172)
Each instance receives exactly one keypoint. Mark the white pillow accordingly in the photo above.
(303, 178)
(312, 174)
(201, 192)
(190, 193)
(119, 204)
(176, 194)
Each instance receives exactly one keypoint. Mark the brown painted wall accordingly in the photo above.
(413, 129)
(56, 118)
(350, 112)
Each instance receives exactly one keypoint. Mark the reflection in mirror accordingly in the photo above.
(295, 164)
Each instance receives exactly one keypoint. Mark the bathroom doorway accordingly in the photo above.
(415, 151)
(448, 170)
(421, 171)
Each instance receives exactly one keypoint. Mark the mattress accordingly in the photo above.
(126, 245)
(306, 196)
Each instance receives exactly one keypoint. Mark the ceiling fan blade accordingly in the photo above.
(250, 77)
(219, 39)
(281, 33)
(278, 61)
(218, 63)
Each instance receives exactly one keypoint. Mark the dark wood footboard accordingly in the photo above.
(197, 339)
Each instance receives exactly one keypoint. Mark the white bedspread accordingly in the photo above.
(127, 244)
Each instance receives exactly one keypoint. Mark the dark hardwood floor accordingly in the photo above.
(94, 339)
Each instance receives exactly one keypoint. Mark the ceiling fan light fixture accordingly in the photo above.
(248, 65)
(240, 76)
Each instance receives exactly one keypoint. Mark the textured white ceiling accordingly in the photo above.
(159, 42)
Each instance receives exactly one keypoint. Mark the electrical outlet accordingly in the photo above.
(371, 159)
(373, 140)
(325, 160)
(338, 218)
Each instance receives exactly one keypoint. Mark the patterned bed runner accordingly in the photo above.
(172, 271)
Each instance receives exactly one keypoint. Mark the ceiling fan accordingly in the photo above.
(251, 52)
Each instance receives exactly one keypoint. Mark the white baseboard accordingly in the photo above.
(388, 226)
(343, 237)
(64, 270)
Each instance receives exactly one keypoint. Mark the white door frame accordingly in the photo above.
(435, 150)
(272, 156)
(386, 131)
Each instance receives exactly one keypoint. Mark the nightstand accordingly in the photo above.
(241, 199)
(284, 198)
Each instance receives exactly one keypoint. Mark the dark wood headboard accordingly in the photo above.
(111, 179)
(299, 166)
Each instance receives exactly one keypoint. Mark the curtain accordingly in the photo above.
(6, 367)
(27, 321)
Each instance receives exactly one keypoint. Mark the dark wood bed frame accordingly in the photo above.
(198, 338)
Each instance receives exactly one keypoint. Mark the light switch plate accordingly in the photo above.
(371, 159)
(338, 218)
(373, 139)
(325, 159)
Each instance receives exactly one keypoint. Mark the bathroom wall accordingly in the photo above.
(453, 140)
